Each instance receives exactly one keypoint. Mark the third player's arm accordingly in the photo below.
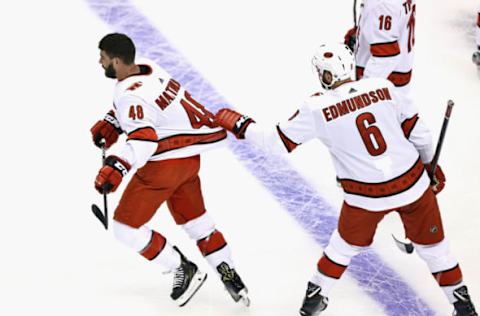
(382, 31)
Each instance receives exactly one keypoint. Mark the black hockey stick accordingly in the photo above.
(102, 216)
(408, 246)
(355, 13)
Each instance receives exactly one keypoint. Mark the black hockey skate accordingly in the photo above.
(233, 283)
(464, 305)
(314, 302)
(187, 279)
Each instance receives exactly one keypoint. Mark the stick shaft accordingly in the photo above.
(436, 156)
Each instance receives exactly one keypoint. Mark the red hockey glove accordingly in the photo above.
(233, 122)
(110, 175)
(438, 179)
(351, 38)
(107, 129)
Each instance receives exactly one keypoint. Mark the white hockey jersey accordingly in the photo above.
(386, 38)
(161, 119)
(375, 138)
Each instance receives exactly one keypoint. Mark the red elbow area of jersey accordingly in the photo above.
(289, 144)
(214, 242)
(154, 247)
(144, 133)
(408, 125)
(449, 277)
(478, 20)
(385, 49)
(330, 268)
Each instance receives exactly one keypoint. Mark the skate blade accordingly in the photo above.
(243, 297)
(197, 281)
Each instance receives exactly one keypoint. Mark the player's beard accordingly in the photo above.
(110, 72)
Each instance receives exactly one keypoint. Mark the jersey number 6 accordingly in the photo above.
(371, 135)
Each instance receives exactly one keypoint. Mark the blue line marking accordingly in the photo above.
(288, 187)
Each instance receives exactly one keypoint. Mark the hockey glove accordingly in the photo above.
(233, 122)
(437, 179)
(107, 129)
(351, 38)
(110, 175)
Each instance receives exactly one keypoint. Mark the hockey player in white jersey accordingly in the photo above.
(385, 40)
(476, 54)
(166, 130)
(379, 147)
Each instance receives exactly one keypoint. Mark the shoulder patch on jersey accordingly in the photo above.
(317, 94)
(135, 86)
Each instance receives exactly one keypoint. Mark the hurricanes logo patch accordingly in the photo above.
(227, 273)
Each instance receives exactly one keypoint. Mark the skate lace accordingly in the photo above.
(178, 277)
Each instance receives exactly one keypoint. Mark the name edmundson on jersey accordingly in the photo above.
(358, 102)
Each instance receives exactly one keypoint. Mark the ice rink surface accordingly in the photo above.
(276, 212)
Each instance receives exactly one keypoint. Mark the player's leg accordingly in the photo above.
(356, 228)
(423, 226)
(147, 190)
(188, 209)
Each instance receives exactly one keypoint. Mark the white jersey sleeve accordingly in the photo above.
(286, 136)
(382, 31)
(413, 126)
(137, 119)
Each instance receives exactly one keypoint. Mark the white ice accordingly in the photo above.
(57, 260)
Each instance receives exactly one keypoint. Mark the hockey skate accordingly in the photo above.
(476, 61)
(464, 305)
(233, 283)
(313, 303)
(187, 280)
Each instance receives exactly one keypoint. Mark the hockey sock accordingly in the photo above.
(150, 244)
(443, 265)
(215, 249)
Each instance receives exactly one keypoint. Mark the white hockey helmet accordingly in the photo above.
(337, 59)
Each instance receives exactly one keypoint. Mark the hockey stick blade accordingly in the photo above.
(403, 246)
(99, 214)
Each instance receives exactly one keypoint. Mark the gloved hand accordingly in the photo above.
(111, 174)
(233, 122)
(476, 57)
(437, 179)
(350, 38)
(108, 129)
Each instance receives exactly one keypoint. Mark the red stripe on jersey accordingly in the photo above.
(408, 125)
(212, 243)
(385, 49)
(388, 188)
(398, 79)
(144, 133)
(290, 145)
(154, 247)
(449, 277)
(179, 141)
(330, 268)
(478, 19)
